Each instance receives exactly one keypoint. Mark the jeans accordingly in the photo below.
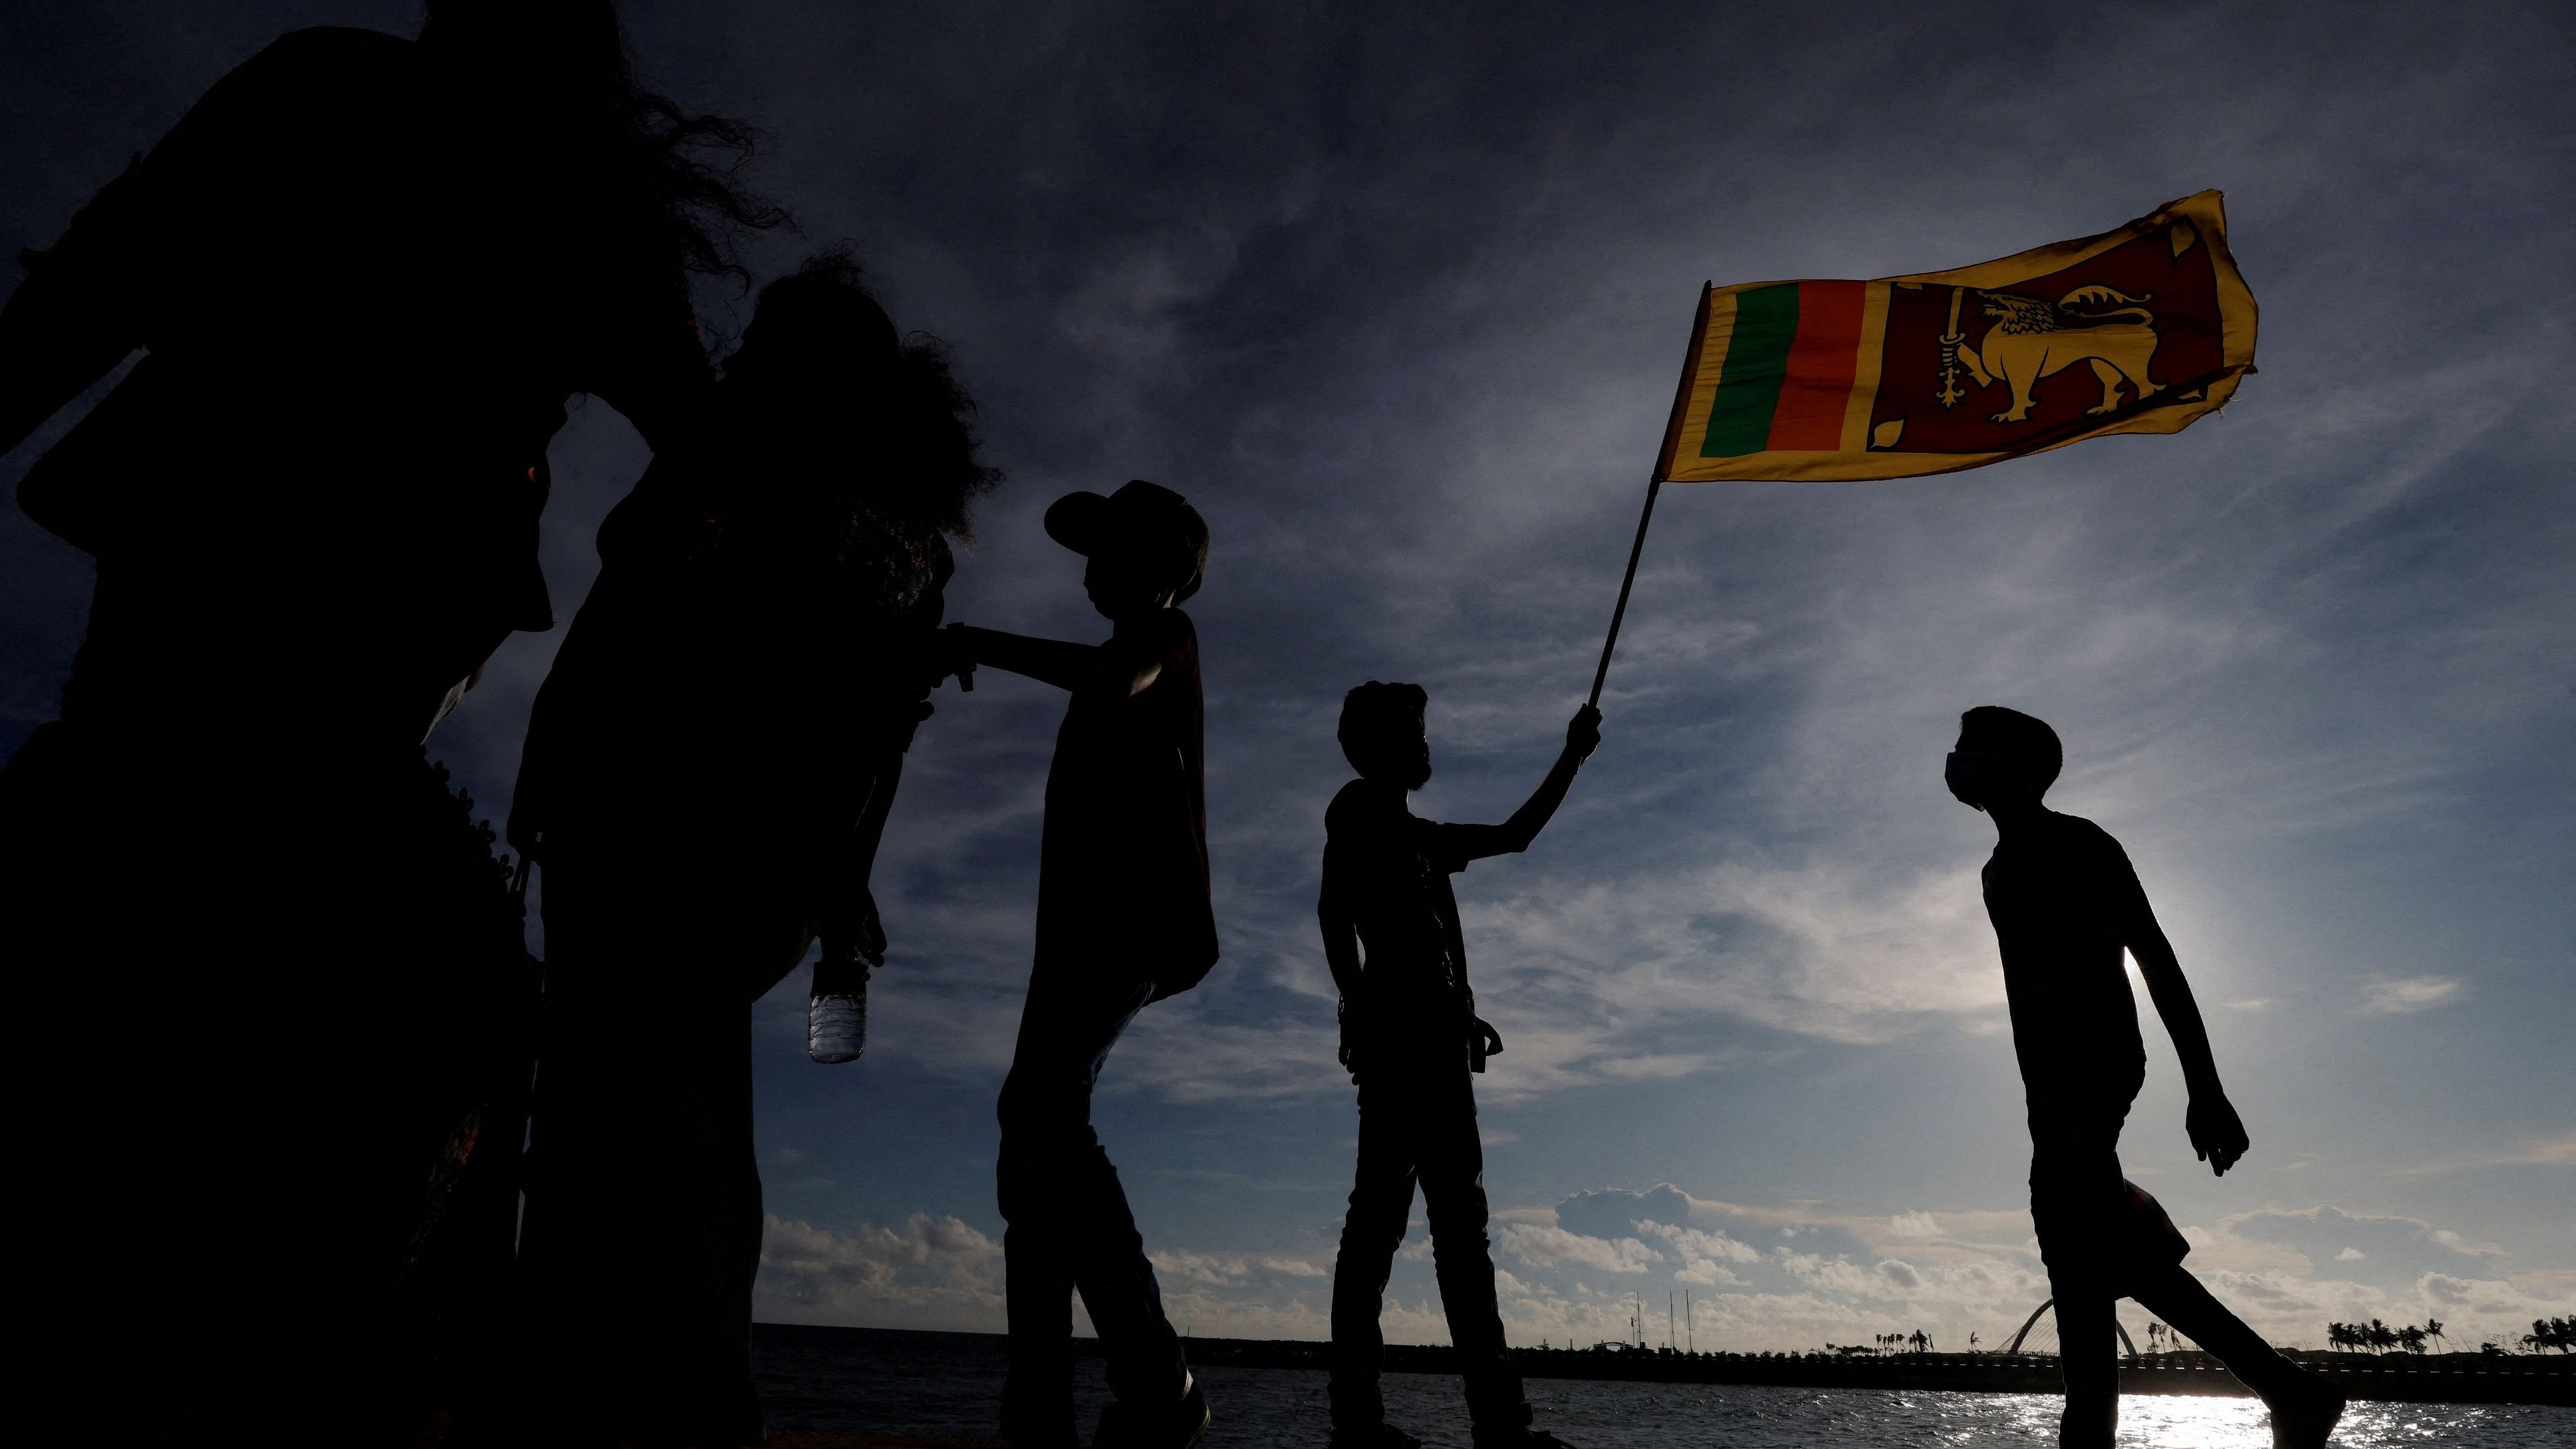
(1418, 1124)
(1067, 1226)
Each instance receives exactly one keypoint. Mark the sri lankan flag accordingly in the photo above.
(2139, 330)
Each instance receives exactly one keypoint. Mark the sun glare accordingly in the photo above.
(2177, 1421)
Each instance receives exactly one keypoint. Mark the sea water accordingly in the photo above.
(946, 1384)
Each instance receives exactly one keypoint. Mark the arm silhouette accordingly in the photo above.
(1341, 936)
(1342, 954)
(2218, 1135)
(1119, 667)
(1582, 736)
(847, 915)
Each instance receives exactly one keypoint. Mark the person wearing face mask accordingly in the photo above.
(1411, 1037)
(2065, 904)
(1124, 919)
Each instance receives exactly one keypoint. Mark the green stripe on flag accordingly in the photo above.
(1757, 360)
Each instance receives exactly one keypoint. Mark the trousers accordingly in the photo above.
(1066, 1223)
(641, 1241)
(1418, 1126)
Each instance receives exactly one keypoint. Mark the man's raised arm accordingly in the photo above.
(1582, 736)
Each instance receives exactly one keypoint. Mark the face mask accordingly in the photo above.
(1967, 772)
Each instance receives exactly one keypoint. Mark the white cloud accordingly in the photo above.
(1546, 1246)
(1692, 1243)
(931, 1272)
(2410, 993)
(1707, 1273)
(1914, 1225)
(1230, 1268)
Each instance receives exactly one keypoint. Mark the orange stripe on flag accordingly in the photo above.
(1817, 391)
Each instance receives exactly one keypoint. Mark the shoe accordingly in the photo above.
(1174, 1426)
(1375, 1436)
(2303, 1420)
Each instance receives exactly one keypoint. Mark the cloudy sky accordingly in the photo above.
(1397, 295)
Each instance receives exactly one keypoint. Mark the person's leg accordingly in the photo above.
(640, 1237)
(2177, 1297)
(2078, 1203)
(1037, 1266)
(1381, 1201)
(2089, 1357)
(1453, 1198)
(2304, 1405)
(1110, 1268)
(1065, 1217)
(710, 1399)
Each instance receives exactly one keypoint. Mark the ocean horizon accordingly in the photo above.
(945, 1385)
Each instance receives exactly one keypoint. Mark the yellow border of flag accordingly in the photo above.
(1851, 457)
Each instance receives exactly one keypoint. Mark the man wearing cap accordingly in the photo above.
(1123, 920)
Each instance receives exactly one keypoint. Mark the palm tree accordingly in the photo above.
(2382, 1336)
(1972, 1342)
(2433, 1330)
(2411, 1338)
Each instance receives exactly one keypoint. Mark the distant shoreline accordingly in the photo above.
(2452, 1378)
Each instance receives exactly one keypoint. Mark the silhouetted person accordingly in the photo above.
(1123, 920)
(367, 274)
(1411, 1037)
(2065, 903)
(708, 773)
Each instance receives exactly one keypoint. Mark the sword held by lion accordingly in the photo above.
(2034, 338)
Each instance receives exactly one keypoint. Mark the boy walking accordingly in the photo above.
(1123, 920)
(2065, 903)
(1410, 1036)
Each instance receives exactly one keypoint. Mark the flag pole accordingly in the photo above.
(1653, 486)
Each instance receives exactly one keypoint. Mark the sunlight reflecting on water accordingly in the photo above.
(2176, 1422)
